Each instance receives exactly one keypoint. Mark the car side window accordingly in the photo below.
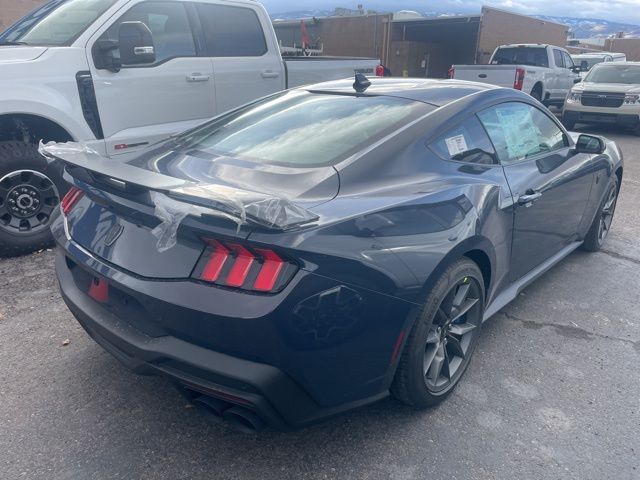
(467, 142)
(557, 57)
(232, 31)
(568, 62)
(520, 131)
(169, 24)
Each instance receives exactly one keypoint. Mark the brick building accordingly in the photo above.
(12, 10)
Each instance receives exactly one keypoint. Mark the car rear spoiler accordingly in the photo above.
(182, 197)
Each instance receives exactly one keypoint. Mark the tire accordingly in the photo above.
(418, 381)
(568, 124)
(29, 194)
(601, 225)
(537, 93)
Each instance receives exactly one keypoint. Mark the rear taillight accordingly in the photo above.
(451, 72)
(234, 265)
(518, 81)
(380, 71)
(70, 199)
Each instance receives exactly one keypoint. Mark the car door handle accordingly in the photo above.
(198, 77)
(270, 74)
(529, 197)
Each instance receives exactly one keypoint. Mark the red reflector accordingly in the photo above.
(70, 199)
(518, 81)
(217, 260)
(241, 267)
(99, 290)
(396, 347)
(451, 72)
(269, 272)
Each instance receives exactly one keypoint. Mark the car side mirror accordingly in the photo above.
(590, 144)
(577, 80)
(135, 42)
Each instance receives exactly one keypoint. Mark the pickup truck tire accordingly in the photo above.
(568, 124)
(537, 92)
(29, 195)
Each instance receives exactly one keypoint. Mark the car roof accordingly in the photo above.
(432, 91)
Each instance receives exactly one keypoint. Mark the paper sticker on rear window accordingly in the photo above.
(456, 145)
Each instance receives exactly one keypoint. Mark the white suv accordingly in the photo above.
(609, 94)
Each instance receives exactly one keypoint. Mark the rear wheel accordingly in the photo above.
(568, 124)
(29, 193)
(601, 224)
(537, 93)
(443, 338)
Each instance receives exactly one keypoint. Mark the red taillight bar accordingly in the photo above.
(70, 199)
(451, 72)
(380, 71)
(239, 266)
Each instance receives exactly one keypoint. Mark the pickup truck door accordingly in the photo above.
(550, 184)
(142, 104)
(246, 58)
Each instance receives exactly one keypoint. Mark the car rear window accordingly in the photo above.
(534, 56)
(303, 129)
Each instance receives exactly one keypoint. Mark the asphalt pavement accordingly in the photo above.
(553, 391)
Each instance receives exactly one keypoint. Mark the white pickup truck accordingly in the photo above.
(120, 75)
(546, 72)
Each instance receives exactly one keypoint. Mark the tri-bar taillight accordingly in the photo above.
(518, 81)
(235, 265)
(70, 199)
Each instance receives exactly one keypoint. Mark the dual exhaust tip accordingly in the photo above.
(240, 418)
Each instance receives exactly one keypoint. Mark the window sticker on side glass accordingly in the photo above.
(456, 145)
(519, 130)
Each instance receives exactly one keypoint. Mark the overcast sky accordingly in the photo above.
(626, 11)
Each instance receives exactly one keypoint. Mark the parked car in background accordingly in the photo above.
(609, 95)
(121, 75)
(545, 72)
(330, 244)
(586, 61)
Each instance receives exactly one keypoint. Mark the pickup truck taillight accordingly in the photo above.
(230, 264)
(451, 72)
(380, 71)
(70, 199)
(518, 81)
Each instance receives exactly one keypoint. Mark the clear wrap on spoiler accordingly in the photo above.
(175, 199)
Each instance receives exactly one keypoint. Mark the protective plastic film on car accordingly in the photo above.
(175, 199)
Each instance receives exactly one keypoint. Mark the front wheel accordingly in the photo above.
(29, 193)
(601, 225)
(443, 338)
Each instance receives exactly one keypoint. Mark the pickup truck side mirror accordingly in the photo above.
(577, 80)
(135, 42)
(576, 69)
(590, 144)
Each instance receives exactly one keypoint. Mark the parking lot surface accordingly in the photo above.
(553, 391)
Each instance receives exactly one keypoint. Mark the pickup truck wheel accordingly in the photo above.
(537, 93)
(29, 194)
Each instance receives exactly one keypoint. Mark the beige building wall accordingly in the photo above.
(353, 36)
(12, 10)
(499, 27)
(629, 46)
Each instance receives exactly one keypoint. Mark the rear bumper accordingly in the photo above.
(265, 389)
(602, 118)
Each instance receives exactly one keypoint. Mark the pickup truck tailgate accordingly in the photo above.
(500, 75)
(309, 70)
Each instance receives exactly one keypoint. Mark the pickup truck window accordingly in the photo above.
(168, 22)
(302, 129)
(520, 131)
(533, 56)
(57, 23)
(557, 58)
(232, 31)
(468, 142)
(568, 63)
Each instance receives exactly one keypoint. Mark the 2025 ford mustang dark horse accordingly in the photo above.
(322, 247)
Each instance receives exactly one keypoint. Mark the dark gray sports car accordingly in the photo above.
(322, 247)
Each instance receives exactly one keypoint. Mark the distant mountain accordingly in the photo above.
(594, 27)
(580, 27)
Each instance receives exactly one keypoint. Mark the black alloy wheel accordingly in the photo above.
(601, 225)
(452, 334)
(442, 340)
(27, 201)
